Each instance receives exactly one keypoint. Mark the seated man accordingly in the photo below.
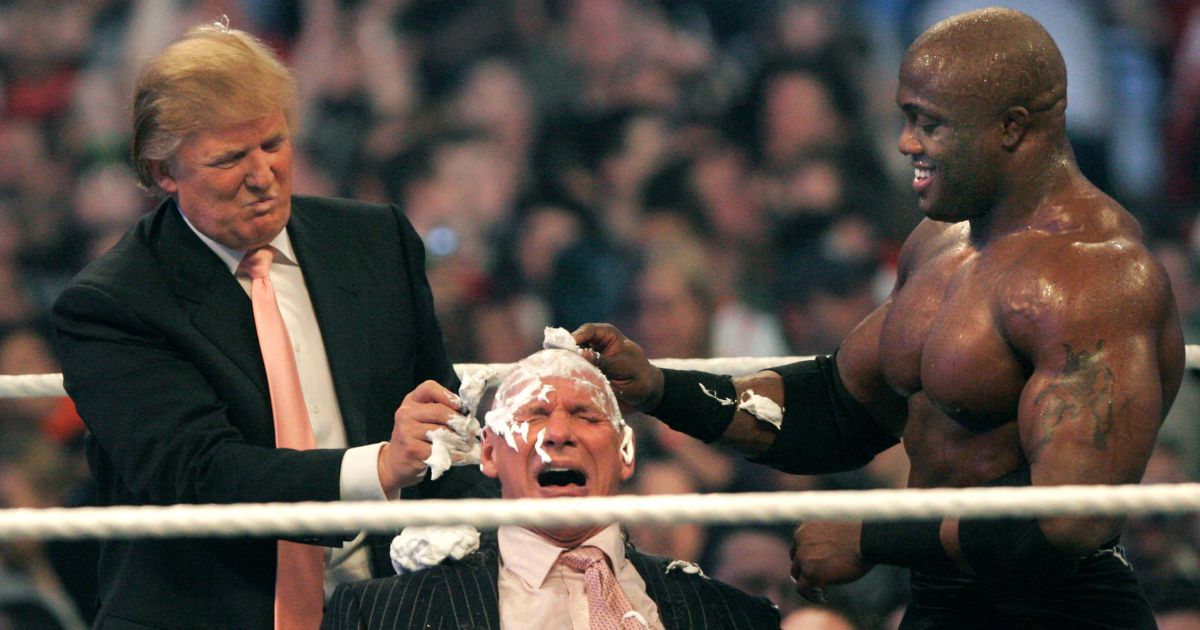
(553, 431)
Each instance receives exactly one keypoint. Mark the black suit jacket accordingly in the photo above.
(159, 352)
(465, 596)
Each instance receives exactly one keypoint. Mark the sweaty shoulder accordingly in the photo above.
(926, 241)
(1082, 273)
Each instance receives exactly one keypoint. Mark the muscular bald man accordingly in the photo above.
(1031, 339)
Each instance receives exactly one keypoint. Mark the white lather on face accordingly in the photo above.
(561, 359)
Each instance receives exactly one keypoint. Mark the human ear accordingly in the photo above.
(162, 175)
(1016, 123)
(487, 455)
(628, 450)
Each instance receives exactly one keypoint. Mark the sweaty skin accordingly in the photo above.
(1029, 324)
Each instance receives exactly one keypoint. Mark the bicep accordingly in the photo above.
(1090, 412)
(860, 365)
(1103, 360)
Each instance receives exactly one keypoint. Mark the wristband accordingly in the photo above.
(700, 404)
(913, 544)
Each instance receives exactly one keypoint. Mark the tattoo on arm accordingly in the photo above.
(1083, 393)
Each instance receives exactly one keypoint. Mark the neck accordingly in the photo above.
(1025, 190)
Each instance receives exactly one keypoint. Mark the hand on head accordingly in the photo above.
(637, 383)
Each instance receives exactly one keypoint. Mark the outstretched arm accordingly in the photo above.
(824, 427)
(676, 397)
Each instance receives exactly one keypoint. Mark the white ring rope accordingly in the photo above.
(766, 507)
(50, 385)
(297, 518)
(31, 386)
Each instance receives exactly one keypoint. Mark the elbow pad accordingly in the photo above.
(824, 428)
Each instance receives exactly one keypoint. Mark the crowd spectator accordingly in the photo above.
(718, 175)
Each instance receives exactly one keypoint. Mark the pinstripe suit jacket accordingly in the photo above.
(464, 595)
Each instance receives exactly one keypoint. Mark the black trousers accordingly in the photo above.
(1102, 593)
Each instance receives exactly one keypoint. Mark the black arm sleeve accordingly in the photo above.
(699, 404)
(824, 428)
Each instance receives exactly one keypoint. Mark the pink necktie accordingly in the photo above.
(608, 607)
(299, 573)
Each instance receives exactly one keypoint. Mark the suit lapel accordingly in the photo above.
(335, 274)
(473, 589)
(677, 606)
(485, 606)
(218, 306)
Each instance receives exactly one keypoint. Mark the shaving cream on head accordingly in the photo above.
(558, 338)
(524, 384)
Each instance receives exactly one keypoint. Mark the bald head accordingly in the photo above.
(1001, 56)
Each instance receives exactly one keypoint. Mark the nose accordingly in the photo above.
(909, 145)
(259, 172)
(560, 429)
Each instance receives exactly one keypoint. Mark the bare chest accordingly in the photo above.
(943, 338)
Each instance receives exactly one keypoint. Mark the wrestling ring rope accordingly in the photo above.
(787, 507)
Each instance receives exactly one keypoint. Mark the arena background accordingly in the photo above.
(718, 177)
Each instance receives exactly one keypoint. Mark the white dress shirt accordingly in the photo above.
(359, 480)
(536, 592)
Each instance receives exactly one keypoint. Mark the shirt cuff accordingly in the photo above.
(360, 474)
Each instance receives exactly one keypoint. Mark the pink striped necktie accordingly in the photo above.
(608, 607)
(299, 573)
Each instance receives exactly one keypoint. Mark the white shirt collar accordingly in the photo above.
(232, 257)
(531, 557)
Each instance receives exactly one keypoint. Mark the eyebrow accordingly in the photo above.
(225, 156)
(278, 136)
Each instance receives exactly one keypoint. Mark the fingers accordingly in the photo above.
(433, 392)
(597, 339)
(810, 592)
(807, 586)
(427, 408)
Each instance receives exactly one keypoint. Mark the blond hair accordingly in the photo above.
(213, 76)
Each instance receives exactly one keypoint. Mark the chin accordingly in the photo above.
(939, 212)
(568, 537)
(941, 217)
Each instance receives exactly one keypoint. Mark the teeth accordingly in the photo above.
(922, 173)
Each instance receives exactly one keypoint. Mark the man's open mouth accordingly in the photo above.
(561, 477)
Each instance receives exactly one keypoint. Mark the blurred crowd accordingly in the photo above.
(717, 177)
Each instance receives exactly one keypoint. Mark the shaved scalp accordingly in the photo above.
(1000, 55)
